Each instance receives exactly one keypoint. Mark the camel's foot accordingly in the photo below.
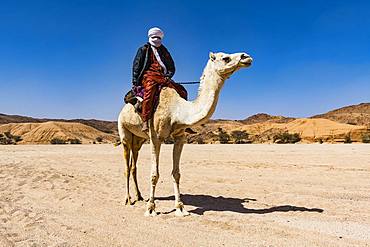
(150, 209)
(128, 200)
(180, 210)
(139, 198)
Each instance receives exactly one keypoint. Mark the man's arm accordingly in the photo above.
(137, 66)
(170, 64)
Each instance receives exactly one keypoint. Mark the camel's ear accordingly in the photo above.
(212, 56)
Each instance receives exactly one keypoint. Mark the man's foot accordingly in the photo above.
(190, 131)
(145, 127)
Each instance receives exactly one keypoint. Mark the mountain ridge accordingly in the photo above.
(333, 126)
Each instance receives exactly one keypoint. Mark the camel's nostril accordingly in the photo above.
(244, 56)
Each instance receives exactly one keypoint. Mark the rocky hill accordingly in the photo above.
(44, 133)
(310, 130)
(353, 114)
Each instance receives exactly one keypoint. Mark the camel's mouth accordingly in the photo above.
(246, 61)
(245, 64)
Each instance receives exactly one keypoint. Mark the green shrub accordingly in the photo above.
(7, 138)
(4, 140)
(17, 138)
(286, 137)
(347, 139)
(239, 136)
(223, 136)
(366, 138)
(57, 141)
(200, 140)
(74, 141)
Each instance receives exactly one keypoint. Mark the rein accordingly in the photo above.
(188, 82)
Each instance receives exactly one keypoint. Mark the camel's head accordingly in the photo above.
(226, 64)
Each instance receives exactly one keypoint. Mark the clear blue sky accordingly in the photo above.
(72, 58)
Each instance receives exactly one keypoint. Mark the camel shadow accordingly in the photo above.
(206, 203)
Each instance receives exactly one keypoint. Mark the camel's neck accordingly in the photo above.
(202, 108)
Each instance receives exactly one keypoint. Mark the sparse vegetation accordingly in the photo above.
(200, 140)
(320, 140)
(347, 139)
(286, 137)
(57, 141)
(223, 136)
(99, 139)
(74, 141)
(239, 136)
(366, 138)
(7, 138)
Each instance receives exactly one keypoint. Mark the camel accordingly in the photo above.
(172, 116)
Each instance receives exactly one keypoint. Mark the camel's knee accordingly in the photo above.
(154, 178)
(176, 176)
(133, 169)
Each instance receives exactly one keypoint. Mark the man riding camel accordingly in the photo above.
(153, 69)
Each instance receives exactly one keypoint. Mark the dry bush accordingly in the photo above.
(286, 137)
(240, 136)
(223, 136)
(74, 141)
(57, 141)
(7, 138)
(366, 138)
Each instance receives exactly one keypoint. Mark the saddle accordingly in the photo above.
(131, 98)
(136, 95)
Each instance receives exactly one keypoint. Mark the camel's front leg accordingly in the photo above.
(134, 173)
(154, 175)
(177, 149)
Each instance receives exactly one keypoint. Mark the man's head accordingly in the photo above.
(155, 36)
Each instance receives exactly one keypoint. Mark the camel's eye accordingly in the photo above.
(226, 59)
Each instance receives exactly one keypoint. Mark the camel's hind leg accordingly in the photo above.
(126, 140)
(137, 142)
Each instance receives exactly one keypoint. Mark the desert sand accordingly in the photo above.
(238, 195)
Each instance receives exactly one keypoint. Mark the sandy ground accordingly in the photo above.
(238, 195)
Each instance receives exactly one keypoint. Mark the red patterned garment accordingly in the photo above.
(153, 80)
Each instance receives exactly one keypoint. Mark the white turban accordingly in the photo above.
(153, 35)
(155, 31)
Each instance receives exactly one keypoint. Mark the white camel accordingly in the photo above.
(172, 116)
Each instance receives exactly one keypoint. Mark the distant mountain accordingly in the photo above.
(353, 114)
(109, 127)
(335, 126)
(263, 117)
(4, 119)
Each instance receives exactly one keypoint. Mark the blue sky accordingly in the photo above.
(72, 59)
